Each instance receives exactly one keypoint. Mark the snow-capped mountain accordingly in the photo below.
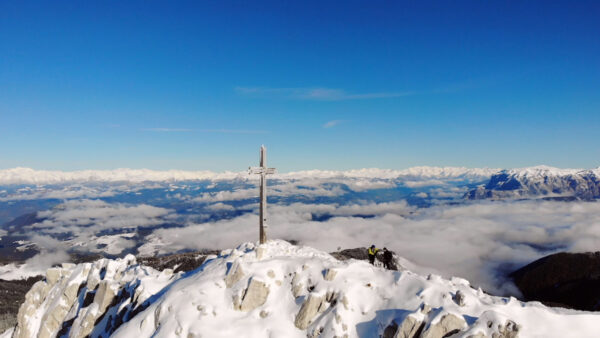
(31, 176)
(277, 290)
(541, 181)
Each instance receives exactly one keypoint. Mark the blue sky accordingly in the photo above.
(327, 85)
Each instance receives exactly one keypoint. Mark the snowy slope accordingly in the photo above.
(278, 290)
(541, 181)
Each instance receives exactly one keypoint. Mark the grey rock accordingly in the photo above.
(254, 296)
(104, 296)
(53, 275)
(410, 328)
(307, 312)
(297, 286)
(329, 274)
(459, 298)
(448, 324)
(509, 330)
(234, 275)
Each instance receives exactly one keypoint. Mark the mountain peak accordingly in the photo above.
(276, 289)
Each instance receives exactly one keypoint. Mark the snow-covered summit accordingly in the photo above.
(541, 181)
(277, 290)
(542, 170)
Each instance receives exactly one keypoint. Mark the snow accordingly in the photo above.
(360, 299)
(543, 170)
(368, 299)
(30, 176)
(7, 334)
(15, 271)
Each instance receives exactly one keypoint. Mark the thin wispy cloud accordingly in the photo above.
(333, 123)
(233, 131)
(221, 131)
(168, 130)
(317, 94)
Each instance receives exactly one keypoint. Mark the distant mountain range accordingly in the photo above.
(540, 182)
(524, 183)
(32, 176)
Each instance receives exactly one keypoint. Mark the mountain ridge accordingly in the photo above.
(277, 289)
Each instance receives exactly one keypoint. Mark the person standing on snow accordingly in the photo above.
(372, 252)
(387, 259)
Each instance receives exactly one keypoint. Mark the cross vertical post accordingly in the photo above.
(263, 171)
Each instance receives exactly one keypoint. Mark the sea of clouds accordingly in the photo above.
(480, 241)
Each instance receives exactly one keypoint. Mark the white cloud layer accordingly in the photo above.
(315, 93)
(85, 220)
(474, 241)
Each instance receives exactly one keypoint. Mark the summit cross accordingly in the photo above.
(263, 171)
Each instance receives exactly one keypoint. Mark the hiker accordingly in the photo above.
(372, 252)
(387, 259)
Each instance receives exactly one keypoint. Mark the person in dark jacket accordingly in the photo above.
(372, 252)
(387, 259)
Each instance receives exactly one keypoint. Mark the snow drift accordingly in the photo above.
(277, 290)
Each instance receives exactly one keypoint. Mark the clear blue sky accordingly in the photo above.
(325, 84)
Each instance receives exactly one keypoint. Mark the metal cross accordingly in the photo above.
(263, 171)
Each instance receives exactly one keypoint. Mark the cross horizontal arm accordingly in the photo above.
(262, 170)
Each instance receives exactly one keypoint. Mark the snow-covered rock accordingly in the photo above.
(541, 181)
(285, 291)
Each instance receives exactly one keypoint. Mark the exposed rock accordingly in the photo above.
(84, 323)
(33, 299)
(569, 280)
(447, 325)
(234, 275)
(52, 320)
(477, 335)
(509, 330)
(329, 274)
(178, 262)
(410, 328)
(356, 253)
(459, 298)
(390, 330)
(254, 296)
(308, 311)
(52, 275)
(297, 286)
(260, 252)
(104, 295)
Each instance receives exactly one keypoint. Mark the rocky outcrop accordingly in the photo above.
(446, 326)
(569, 280)
(254, 296)
(459, 298)
(234, 275)
(71, 300)
(308, 311)
(123, 299)
(329, 274)
(411, 328)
